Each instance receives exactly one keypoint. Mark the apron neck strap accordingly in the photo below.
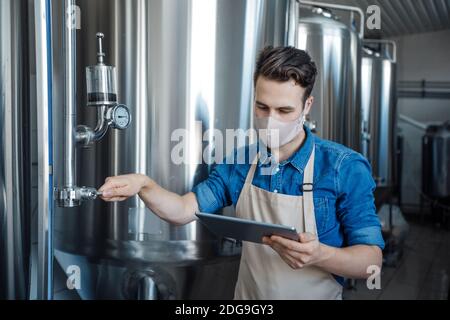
(251, 172)
(308, 200)
(309, 170)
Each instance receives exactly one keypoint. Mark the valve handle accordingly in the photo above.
(100, 53)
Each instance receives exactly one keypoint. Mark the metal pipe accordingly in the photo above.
(391, 43)
(412, 122)
(102, 124)
(70, 94)
(43, 87)
(291, 24)
(340, 7)
(85, 136)
(147, 289)
(69, 194)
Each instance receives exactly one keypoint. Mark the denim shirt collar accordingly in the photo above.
(298, 160)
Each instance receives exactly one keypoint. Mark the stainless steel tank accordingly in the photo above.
(436, 161)
(15, 144)
(335, 47)
(379, 110)
(183, 65)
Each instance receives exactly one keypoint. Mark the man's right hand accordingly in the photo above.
(169, 206)
(120, 188)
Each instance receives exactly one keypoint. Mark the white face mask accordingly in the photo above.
(275, 133)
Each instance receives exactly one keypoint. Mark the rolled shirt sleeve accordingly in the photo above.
(214, 193)
(356, 207)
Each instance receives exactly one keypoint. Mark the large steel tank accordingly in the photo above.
(184, 67)
(379, 110)
(436, 161)
(15, 161)
(335, 47)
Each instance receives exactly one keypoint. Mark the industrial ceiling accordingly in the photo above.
(403, 17)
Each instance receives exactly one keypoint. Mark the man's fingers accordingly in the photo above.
(115, 192)
(286, 258)
(301, 258)
(307, 237)
(293, 255)
(289, 261)
(107, 186)
(277, 247)
(110, 193)
(292, 245)
(288, 244)
(114, 199)
(289, 258)
(112, 182)
(294, 259)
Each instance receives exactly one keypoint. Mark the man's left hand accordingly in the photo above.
(298, 254)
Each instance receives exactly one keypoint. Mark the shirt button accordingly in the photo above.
(277, 169)
(276, 191)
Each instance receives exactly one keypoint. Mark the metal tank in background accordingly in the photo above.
(436, 172)
(335, 47)
(183, 68)
(16, 189)
(25, 143)
(379, 109)
(436, 161)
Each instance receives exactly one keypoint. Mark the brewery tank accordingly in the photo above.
(436, 161)
(379, 109)
(335, 47)
(184, 69)
(17, 178)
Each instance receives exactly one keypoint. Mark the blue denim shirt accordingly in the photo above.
(343, 189)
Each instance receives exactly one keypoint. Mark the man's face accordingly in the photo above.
(280, 100)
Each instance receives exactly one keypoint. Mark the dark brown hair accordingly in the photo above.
(285, 63)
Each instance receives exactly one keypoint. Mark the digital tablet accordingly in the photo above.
(244, 229)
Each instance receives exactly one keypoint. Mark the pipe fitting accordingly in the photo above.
(86, 136)
(69, 197)
(342, 8)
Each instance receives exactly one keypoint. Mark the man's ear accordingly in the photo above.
(308, 104)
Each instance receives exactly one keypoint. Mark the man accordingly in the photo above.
(323, 189)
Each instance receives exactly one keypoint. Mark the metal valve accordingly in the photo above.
(102, 93)
(100, 53)
(74, 196)
(101, 80)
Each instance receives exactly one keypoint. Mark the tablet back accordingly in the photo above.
(243, 229)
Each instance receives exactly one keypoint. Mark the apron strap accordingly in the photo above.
(308, 200)
(251, 172)
(307, 188)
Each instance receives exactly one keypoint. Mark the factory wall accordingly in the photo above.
(420, 57)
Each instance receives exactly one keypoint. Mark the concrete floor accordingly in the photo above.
(422, 273)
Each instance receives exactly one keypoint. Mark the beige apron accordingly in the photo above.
(262, 272)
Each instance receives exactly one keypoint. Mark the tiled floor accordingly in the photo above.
(422, 273)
